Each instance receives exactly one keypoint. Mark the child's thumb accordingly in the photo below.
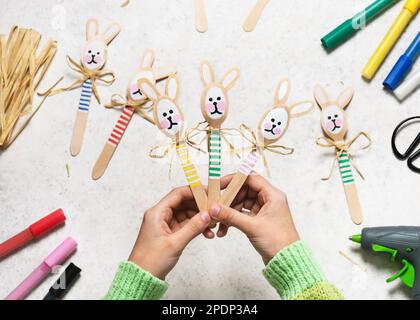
(231, 217)
(193, 228)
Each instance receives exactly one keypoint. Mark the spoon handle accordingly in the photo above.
(254, 16)
(200, 16)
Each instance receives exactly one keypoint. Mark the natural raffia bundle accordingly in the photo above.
(22, 69)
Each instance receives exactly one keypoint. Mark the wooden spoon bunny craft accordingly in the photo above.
(335, 126)
(200, 16)
(94, 57)
(272, 127)
(254, 16)
(169, 118)
(215, 109)
(135, 101)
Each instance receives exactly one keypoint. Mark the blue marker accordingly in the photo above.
(403, 66)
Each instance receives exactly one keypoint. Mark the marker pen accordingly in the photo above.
(63, 283)
(57, 257)
(35, 230)
(408, 86)
(403, 65)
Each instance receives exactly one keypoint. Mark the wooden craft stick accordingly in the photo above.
(200, 16)
(335, 126)
(273, 125)
(254, 16)
(81, 118)
(215, 166)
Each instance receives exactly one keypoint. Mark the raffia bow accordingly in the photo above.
(204, 127)
(344, 147)
(141, 107)
(249, 135)
(105, 77)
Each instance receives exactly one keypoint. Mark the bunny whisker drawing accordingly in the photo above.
(272, 127)
(335, 126)
(136, 101)
(169, 118)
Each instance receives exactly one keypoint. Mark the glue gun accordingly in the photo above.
(403, 244)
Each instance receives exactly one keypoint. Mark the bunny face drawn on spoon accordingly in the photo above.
(167, 115)
(95, 53)
(145, 72)
(333, 115)
(276, 121)
(214, 99)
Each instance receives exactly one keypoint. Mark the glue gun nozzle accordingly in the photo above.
(356, 238)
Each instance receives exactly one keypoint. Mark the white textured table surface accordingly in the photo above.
(104, 216)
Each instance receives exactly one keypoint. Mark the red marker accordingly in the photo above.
(35, 230)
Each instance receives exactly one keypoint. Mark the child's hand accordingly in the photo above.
(166, 230)
(268, 224)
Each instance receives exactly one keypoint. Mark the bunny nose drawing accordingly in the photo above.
(172, 119)
(272, 128)
(92, 56)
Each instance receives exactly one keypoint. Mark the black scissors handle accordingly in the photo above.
(409, 153)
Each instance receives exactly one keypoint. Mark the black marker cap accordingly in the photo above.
(59, 289)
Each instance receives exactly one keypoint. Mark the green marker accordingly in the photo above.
(351, 26)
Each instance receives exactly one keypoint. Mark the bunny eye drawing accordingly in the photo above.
(215, 103)
(274, 124)
(333, 119)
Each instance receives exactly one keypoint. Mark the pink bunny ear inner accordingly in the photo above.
(282, 92)
(301, 108)
(230, 78)
(172, 87)
(111, 32)
(207, 73)
(345, 98)
(148, 58)
(321, 96)
(92, 29)
(148, 89)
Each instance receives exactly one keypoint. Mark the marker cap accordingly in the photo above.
(47, 223)
(61, 253)
(397, 74)
(59, 289)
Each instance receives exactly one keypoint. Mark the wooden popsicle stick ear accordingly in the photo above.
(282, 92)
(230, 78)
(111, 32)
(92, 29)
(172, 87)
(148, 58)
(345, 98)
(207, 73)
(321, 96)
(301, 108)
(148, 89)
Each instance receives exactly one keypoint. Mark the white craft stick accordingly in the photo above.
(408, 86)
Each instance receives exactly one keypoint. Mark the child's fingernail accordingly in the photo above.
(205, 217)
(215, 211)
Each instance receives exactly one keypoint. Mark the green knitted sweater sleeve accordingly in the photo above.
(134, 283)
(296, 276)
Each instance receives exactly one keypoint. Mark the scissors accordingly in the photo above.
(408, 155)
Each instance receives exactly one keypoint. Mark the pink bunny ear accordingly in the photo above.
(148, 58)
(345, 98)
(207, 73)
(282, 92)
(111, 32)
(92, 29)
(321, 96)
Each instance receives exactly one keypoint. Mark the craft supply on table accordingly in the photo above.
(200, 16)
(271, 128)
(255, 15)
(64, 282)
(408, 86)
(169, 118)
(34, 231)
(93, 60)
(403, 244)
(410, 155)
(23, 65)
(135, 101)
(353, 25)
(403, 65)
(215, 109)
(335, 126)
(54, 259)
(410, 9)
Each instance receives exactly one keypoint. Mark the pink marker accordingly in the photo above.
(57, 257)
